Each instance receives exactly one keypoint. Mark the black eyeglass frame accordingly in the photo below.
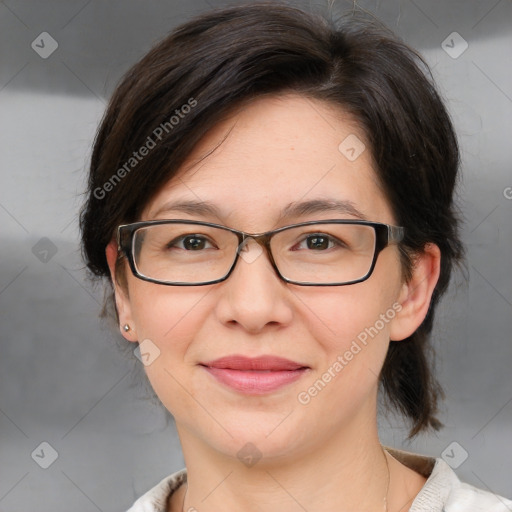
(385, 234)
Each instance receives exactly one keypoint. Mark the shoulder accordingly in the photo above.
(468, 498)
(156, 499)
(444, 492)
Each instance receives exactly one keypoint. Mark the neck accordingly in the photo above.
(341, 476)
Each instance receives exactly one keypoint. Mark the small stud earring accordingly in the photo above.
(126, 327)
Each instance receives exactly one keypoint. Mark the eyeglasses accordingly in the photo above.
(314, 253)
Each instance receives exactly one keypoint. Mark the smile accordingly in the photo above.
(255, 376)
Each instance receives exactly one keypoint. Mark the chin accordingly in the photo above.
(257, 434)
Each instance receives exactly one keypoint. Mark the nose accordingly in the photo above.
(254, 296)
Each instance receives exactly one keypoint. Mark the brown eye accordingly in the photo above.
(189, 243)
(318, 242)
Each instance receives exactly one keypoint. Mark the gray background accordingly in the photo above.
(63, 379)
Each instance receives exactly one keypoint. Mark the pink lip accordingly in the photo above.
(255, 376)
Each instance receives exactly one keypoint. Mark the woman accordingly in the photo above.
(270, 197)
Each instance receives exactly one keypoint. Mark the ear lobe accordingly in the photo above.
(415, 295)
(121, 295)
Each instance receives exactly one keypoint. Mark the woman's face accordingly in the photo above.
(280, 151)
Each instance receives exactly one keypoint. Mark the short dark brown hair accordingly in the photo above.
(221, 59)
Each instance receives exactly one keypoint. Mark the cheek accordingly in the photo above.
(351, 325)
(352, 342)
(165, 314)
(338, 316)
(168, 320)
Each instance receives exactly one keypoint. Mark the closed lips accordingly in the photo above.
(254, 376)
(262, 363)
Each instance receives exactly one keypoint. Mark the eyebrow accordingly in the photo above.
(292, 210)
(312, 206)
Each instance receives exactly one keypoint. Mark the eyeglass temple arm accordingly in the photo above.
(119, 236)
(395, 233)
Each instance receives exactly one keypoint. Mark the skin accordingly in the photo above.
(324, 455)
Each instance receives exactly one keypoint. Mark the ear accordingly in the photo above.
(416, 294)
(121, 296)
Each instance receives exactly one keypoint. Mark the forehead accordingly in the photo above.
(272, 153)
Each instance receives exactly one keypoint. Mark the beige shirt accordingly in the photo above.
(442, 492)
